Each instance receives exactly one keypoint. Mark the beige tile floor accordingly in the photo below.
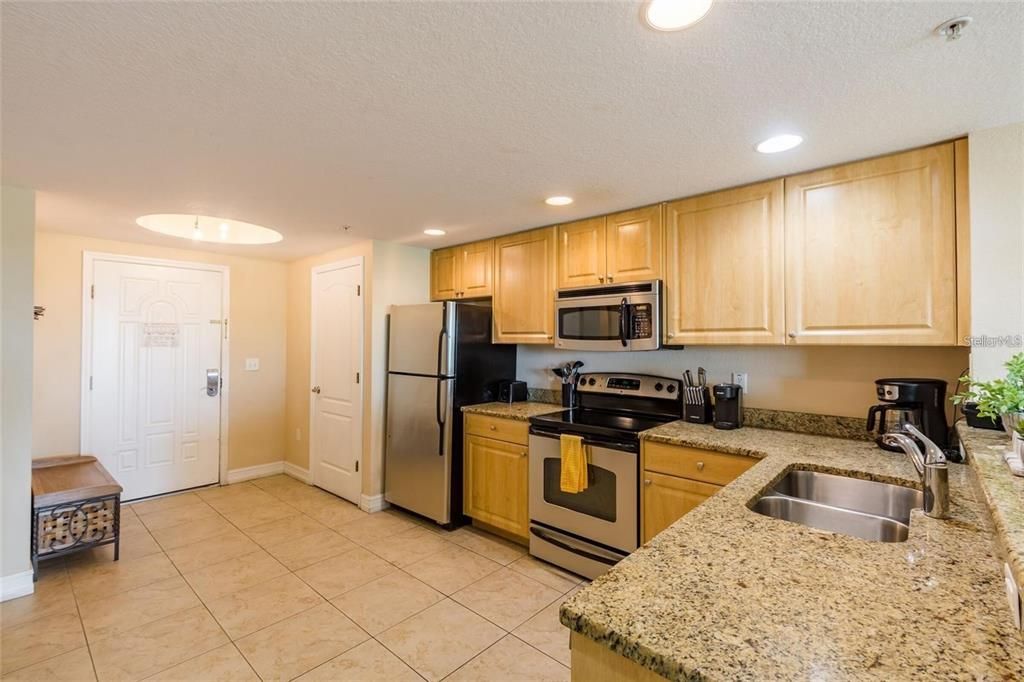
(273, 579)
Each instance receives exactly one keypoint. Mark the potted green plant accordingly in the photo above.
(999, 397)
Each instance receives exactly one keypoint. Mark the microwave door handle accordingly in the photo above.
(623, 322)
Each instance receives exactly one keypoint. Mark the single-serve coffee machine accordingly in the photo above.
(921, 402)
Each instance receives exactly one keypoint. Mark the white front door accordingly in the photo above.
(336, 406)
(156, 331)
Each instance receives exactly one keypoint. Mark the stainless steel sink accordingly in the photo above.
(852, 506)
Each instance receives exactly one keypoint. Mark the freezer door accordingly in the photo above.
(419, 342)
(418, 458)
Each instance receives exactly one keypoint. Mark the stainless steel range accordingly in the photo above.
(589, 532)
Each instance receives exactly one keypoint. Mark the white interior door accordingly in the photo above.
(155, 333)
(336, 406)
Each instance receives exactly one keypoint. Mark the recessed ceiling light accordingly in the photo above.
(434, 232)
(779, 143)
(673, 15)
(558, 201)
(204, 228)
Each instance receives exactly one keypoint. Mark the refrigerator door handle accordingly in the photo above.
(437, 415)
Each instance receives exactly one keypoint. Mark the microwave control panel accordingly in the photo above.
(641, 321)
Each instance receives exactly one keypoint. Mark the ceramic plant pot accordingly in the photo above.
(1011, 420)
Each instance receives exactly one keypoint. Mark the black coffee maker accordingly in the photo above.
(921, 402)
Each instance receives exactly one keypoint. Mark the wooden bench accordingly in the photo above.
(76, 505)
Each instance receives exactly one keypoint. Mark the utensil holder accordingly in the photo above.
(697, 405)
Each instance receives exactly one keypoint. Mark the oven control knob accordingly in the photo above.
(591, 381)
(671, 388)
(658, 386)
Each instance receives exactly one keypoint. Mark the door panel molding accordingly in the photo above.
(89, 261)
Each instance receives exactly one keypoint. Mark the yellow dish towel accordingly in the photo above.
(574, 464)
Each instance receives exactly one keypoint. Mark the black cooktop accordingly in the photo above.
(604, 423)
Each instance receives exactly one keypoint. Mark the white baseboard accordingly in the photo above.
(258, 471)
(16, 585)
(373, 503)
(296, 472)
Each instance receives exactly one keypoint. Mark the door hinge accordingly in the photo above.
(92, 291)
(225, 327)
(90, 383)
(357, 466)
(359, 290)
(357, 377)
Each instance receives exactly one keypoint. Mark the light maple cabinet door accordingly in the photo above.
(581, 253)
(667, 498)
(871, 252)
(724, 278)
(494, 487)
(634, 244)
(443, 274)
(475, 269)
(524, 287)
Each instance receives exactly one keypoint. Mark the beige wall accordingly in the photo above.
(819, 380)
(997, 246)
(257, 327)
(17, 232)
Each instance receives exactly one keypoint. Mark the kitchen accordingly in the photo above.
(670, 353)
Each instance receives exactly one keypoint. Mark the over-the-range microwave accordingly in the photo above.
(609, 317)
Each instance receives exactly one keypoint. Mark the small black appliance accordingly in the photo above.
(728, 406)
(920, 402)
(511, 391)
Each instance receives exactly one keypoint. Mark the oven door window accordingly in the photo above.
(598, 500)
(590, 323)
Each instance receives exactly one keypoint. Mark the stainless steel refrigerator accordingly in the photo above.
(440, 357)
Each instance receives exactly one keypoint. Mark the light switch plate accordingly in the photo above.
(252, 364)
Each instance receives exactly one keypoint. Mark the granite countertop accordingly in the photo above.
(726, 593)
(1002, 491)
(520, 411)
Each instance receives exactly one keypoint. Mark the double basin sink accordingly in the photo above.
(869, 510)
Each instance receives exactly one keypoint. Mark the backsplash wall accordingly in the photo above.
(820, 380)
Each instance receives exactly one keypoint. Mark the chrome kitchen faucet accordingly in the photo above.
(931, 466)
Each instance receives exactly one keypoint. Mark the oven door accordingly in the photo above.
(605, 513)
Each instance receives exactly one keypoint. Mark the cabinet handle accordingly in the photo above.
(791, 335)
(600, 278)
(700, 466)
(493, 427)
(610, 278)
(647, 481)
(671, 335)
(523, 453)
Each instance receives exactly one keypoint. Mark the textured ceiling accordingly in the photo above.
(392, 117)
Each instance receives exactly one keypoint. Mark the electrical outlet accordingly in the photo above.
(741, 379)
(252, 364)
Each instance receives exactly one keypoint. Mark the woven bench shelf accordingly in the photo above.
(76, 505)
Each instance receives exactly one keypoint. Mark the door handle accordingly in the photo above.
(212, 382)
(316, 389)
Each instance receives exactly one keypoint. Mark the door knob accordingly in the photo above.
(647, 481)
(792, 335)
(600, 278)
(316, 389)
(610, 278)
(700, 466)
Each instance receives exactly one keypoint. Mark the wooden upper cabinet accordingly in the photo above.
(634, 245)
(724, 267)
(524, 287)
(871, 252)
(464, 271)
(443, 276)
(475, 269)
(581, 253)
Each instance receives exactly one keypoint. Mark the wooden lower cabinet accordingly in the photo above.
(668, 498)
(676, 479)
(495, 484)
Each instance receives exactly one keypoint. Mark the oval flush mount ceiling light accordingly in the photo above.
(558, 201)
(434, 232)
(674, 15)
(779, 143)
(204, 228)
